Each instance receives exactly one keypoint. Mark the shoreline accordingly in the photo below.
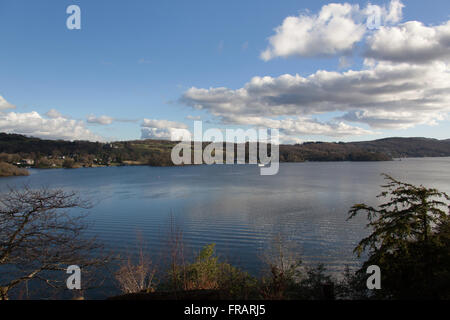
(218, 164)
(135, 164)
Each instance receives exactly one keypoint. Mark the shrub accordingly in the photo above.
(208, 273)
(68, 164)
(137, 277)
(7, 170)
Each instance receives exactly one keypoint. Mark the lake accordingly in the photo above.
(236, 208)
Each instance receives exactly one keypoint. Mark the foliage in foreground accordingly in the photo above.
(38, 237)
(409, 241)
(207, 272)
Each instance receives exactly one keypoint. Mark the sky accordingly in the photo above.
(315, 70)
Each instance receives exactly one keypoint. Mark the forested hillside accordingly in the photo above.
(33, 152)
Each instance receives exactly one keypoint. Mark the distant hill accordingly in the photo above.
(16, 143)
(383, 149)
(28, 151)
(408, 147)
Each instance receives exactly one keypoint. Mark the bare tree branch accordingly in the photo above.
(40, 233)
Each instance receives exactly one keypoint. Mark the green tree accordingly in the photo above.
(408, 241)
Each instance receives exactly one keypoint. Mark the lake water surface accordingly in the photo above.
(236, 208)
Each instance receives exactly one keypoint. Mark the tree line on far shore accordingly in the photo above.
(23, 151)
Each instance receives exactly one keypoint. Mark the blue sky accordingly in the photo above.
(135, 60)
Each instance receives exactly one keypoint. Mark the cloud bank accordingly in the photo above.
(103, 120)
(54, 127)
(335, 29)
(404, 81)
(411, 42)
(164, 130)
(387, 87)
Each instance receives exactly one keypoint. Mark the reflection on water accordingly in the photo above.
(235, 207)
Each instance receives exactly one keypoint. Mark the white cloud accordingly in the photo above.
(387, 87)
(382, 119)
(411, 42)
(103, 120)
(54, 114)
(290, 140)
(395, 12)
(5, 104)
(33, 124)
(189, 117)
(333, 30)
(164, 130)
(336, 29)
(172, 134)
(404, 81)
(296, 126)
(161, 124)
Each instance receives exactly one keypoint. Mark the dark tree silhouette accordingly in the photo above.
(407, 240)
(39, 236)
